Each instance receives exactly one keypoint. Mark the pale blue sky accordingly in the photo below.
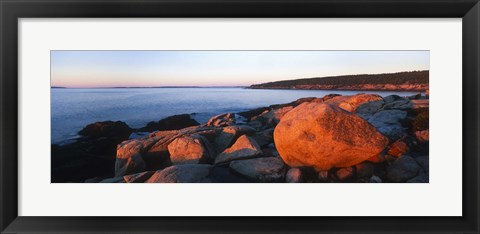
(220, 68)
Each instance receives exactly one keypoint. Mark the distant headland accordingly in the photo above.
(400, 81)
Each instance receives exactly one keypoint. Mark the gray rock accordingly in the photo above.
(270, 152)
(388, 122)
(369, 108)
(416, 96)
(390, 159)
(402, 104)
(240, 120)
(271, 169)
(364, 170)
(264, 138)
(93, 180)
(375, 179)
(422, 177)
(403, 169)
(257, 124)
(393, 132)
(387, 117)
(392, 98)
(294, 175)
(187, 173)
(423, 161)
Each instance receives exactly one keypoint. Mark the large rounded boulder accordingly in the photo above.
(324, 136)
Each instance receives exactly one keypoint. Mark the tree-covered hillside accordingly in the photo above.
(400, 78)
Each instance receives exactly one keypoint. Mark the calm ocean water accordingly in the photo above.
(72, 109)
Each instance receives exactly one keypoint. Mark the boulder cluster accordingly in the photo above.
(359, 138)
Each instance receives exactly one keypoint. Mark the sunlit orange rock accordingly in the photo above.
(189, 149)
(149, 153)
(418, 104)
(352, 103)
(325, 136)
(245, 147)
(344, 173)
(130, 154)
(129, 157)
(398, 148)
(379, 158)
(228, 135)
(422, 136)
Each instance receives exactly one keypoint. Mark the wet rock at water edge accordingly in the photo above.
(117, 129)
(174, 122)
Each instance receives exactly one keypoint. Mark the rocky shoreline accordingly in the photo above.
(359, 138)
(367, 87)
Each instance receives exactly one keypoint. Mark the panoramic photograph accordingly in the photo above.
(239, 116)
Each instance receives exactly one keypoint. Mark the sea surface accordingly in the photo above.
(72, 109)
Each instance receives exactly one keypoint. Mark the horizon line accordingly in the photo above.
(166, 86)
(226, 86)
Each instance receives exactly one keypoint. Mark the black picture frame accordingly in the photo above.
(11, 11)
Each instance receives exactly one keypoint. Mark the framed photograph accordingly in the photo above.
(239, 116)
